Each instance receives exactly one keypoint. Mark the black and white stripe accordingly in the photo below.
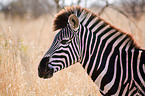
(110, 57)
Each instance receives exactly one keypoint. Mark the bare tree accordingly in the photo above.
(135, 8)
(79, 1)
(62, 5)
(34, 8)
(58, 7)
(14, 9)
(132, 8)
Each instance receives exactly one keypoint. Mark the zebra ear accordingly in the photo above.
(74, 22)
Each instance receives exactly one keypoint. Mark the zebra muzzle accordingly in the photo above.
(46, 74)
(44, 70)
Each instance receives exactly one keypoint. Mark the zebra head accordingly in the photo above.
(64, 50)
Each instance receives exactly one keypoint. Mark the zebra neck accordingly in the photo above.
(110, 56)
(142, 62)
(103, 46)
(89, 35)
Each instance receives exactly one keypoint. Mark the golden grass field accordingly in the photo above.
(24, 42)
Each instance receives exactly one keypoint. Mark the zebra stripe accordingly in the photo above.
(109, 56)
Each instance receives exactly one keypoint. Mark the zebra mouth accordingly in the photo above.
(47, 74)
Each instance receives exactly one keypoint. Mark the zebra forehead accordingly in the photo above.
(61, 19)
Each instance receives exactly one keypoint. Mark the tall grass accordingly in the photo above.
(22, 45)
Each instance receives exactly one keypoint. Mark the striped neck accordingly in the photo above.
(103, 47)
(96, 33)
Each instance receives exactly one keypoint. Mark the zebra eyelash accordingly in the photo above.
(65, 40)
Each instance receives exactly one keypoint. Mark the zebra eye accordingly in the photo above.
(64, 41)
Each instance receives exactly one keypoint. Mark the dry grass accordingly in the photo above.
(22, 45)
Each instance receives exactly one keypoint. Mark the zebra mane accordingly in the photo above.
(61, 19)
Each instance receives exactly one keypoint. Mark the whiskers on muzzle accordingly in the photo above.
(44, 71)
(47, 73)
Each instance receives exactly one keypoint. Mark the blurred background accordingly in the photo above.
(26, 34)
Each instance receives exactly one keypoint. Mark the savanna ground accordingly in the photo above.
(24, 42)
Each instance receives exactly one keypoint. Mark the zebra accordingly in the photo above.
(110, 56)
